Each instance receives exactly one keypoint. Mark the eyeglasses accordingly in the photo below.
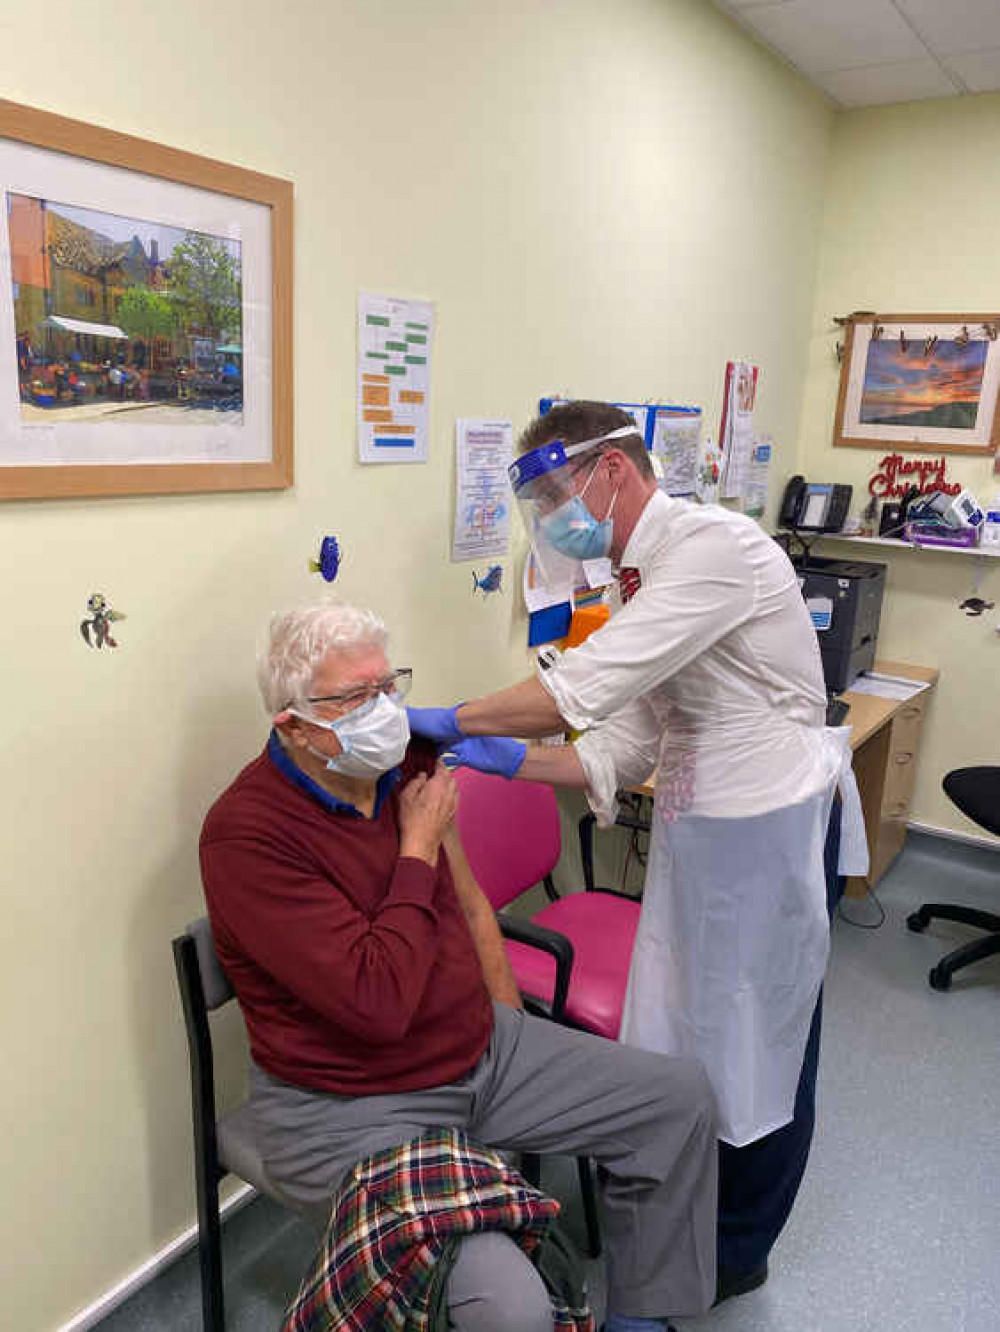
(396, 685)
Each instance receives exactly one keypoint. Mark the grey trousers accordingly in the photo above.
(647, 1119)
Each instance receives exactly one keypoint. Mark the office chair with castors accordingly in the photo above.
(221, 1146)
(976, 792)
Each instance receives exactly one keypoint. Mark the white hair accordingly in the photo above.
(298, 640)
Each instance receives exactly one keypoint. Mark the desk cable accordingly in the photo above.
(860, 924)
(634, 847)
(640, 855)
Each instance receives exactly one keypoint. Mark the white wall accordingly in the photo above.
(606, 196)
(910, 226)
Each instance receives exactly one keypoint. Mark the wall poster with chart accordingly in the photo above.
(395, 337)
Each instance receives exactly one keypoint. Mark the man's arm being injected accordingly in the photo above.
(482, 923)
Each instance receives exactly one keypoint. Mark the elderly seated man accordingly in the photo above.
(379, 1003)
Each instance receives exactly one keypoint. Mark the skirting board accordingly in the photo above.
(970, 839)
(111, 1299)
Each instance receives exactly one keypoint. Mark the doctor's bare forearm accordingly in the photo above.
(526, 710)
(557, 765)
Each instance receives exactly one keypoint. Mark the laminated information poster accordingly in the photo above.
(395, 337)
(483, 452)
(676, 436)
(755, 494)
(736, 435)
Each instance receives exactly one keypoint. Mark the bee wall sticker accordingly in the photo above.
(101, 618)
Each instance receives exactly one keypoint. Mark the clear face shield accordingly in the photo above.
(562, 530)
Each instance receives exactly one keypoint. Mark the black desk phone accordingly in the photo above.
(809, 506)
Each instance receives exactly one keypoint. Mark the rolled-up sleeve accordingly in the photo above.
(703, 591)
(619, 752)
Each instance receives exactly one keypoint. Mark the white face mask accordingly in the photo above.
(373, 738)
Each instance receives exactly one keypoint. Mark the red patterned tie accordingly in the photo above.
(629, 583)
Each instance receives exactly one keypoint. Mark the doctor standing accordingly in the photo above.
(709, 673)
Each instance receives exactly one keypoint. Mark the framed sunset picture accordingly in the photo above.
(926, 382)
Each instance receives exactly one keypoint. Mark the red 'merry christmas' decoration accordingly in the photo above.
(924, 473)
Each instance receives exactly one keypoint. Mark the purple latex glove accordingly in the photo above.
(437, 724)
(496, 754)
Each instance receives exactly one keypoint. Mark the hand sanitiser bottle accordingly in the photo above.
(990, 532)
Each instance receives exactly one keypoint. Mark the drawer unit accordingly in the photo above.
(901, 764)
(885, 764)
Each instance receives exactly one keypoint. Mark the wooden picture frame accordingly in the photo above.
(198, 395)
(925, 382)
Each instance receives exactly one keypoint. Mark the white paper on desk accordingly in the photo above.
(887, 686)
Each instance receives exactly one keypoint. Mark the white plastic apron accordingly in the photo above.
(733, 940)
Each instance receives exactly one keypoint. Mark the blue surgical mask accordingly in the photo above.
(574, 531)
(373, 738)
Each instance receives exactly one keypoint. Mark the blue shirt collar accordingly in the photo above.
(278, 756)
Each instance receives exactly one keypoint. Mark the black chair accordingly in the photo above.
(976, 792)
(221, 1146)
(630, 816)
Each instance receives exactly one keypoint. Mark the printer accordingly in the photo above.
(844, 599)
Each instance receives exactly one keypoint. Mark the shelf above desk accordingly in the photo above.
(896, 543)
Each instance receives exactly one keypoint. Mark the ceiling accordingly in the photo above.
(868, 52)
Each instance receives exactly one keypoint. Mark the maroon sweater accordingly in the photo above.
(354, 968)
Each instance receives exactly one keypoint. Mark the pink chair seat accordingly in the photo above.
(601, 928)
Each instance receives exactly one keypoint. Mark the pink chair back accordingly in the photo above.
(510, 832)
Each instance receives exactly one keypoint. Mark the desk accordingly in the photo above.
(885, 738)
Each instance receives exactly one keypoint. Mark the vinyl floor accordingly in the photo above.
(897, 1225)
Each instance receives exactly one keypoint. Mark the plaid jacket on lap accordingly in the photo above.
(394, 1231)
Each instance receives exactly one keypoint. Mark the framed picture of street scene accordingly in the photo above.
(145, 316)
(925, 382)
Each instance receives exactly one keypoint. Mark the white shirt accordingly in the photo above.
(713, 667)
